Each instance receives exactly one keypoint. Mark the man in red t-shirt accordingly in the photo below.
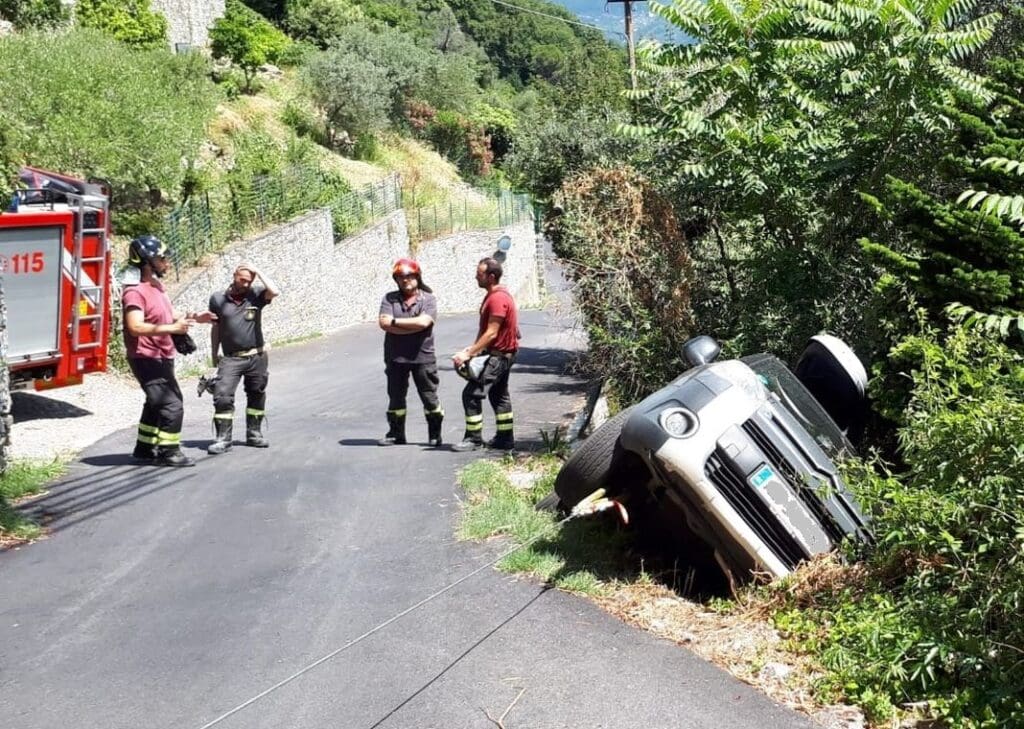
(497, 336)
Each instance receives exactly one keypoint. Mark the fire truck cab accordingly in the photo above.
(55, 262)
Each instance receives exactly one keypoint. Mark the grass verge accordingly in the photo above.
(598, 558)
(23, 478)
(581, 556)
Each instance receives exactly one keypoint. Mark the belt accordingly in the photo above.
(247, 352)
(499, 353)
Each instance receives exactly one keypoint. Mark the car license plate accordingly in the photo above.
(762, 476)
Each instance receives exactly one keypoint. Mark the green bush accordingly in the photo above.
(321, 22)
(246, 38)
(354, 92)
(100, 110)
(366, 148)
(632, 278)
(936, 614)
(27, 14)
(129, 21)
(304, 122)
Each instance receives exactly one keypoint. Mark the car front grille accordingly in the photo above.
(804, 490)
(753, 510)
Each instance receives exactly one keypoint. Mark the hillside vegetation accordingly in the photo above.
(854, 168)
(438, 92)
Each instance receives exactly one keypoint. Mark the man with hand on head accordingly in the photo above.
(239, 332)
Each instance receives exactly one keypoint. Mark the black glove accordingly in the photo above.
(184, 343)
(206, 383)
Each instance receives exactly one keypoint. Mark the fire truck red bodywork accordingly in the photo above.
(55, 257)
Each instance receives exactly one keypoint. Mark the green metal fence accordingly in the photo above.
(234, 209)
(468, 213)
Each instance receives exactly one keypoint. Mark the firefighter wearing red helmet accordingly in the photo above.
(407, 315)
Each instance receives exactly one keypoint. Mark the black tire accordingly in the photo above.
(551, 502)
(591, 463)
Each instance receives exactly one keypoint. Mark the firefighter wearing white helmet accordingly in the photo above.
(407, 315)
(150, 322)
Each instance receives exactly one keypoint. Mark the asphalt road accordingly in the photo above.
(166, 598)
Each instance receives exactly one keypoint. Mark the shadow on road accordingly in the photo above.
(359, 442)
(118, 481)
(26, 406)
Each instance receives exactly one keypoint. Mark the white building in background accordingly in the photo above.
(189, 21)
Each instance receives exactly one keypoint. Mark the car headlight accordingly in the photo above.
(678, 422)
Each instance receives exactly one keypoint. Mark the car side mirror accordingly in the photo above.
(701, 350)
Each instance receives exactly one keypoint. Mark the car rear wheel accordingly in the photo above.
(590, 465)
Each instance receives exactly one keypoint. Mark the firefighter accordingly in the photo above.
(408, 315)
(149, 323)
(238, 312)
(498, 339)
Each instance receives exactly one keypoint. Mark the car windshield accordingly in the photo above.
(797, 400)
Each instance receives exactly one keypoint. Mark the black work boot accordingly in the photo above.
(254, 432)
(144, 452)
(222, 444)
(503, 441)
(172, 456)
(396, 430)
(434, 421)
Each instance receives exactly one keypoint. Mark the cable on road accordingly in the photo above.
(592, 504)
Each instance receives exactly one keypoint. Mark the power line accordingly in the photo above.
(555, 17)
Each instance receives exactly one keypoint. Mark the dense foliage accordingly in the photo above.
(779, 115)
(132, 22)
(621, 242)
(27, 14)
(247, 39)
(933, 614)
(856, 167)
(102, 111)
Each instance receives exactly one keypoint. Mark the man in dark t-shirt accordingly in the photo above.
(239, 333)
(407, 316)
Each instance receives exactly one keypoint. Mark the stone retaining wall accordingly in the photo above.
(326, 285)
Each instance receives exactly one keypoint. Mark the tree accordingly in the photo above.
(101, 111)
(26, 14)
(549, 148)
(247, 39)
(781, 112)
(967, 249)
(129, 21)
(354, 92)
(320, 21)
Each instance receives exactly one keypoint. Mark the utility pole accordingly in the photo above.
(630, 49)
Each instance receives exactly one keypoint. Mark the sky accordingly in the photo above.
(609, 17)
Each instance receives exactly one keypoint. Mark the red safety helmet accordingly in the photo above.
(409, 267)
(405, 267)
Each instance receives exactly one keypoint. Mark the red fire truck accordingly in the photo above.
(55, 258)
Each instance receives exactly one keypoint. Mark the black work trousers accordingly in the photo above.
(493, 382)
(252, 370)
(423, 375)
(164, 411)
